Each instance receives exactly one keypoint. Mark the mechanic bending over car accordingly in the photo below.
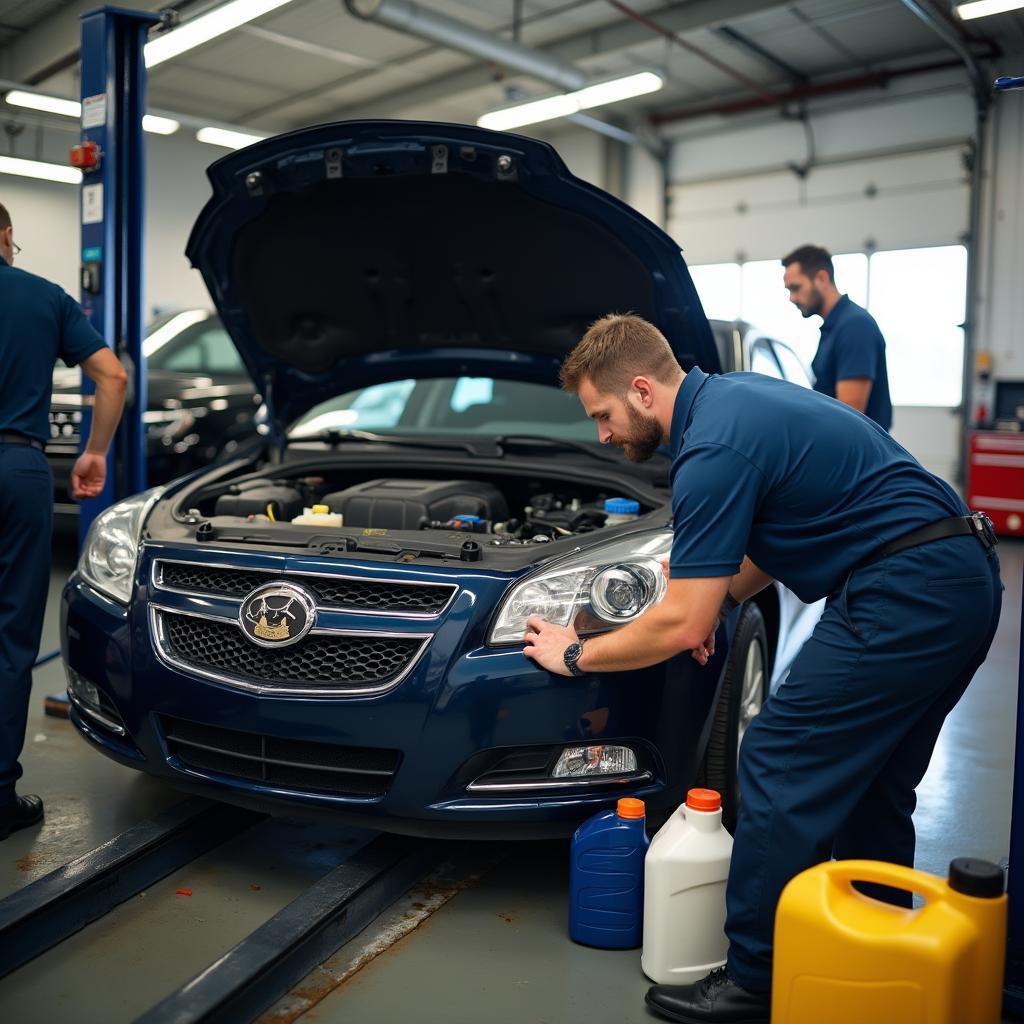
(830, 765)
(38, 322)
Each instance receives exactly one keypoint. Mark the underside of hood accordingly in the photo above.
(359, 252)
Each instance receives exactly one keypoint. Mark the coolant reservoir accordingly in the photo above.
(620, 510)
(318, 515)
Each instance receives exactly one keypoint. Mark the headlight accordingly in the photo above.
(594, 590)
(112, 545)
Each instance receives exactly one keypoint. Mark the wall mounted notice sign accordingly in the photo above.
(94, 111)
(92, 204)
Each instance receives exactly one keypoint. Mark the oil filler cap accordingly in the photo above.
(974, 877)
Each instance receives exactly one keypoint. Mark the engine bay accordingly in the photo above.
(506, 511)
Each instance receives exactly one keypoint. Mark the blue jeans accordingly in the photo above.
(26, 522)
(830, 765)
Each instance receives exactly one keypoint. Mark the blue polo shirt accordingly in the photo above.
(804, 485)
(852, 346)
(39, 321)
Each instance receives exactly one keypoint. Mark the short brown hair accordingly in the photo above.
(614, 350)
(5, 218)
(812, 258)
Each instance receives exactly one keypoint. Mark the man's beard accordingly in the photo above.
(814, 307)
(645, 436)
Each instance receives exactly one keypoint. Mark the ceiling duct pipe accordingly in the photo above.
(409, 17)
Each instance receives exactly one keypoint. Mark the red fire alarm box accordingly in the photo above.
(995, 479)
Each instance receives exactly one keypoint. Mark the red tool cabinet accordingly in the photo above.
(995, 479)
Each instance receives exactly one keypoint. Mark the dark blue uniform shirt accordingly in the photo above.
(39, 321)
(804, 485)
(852, 346)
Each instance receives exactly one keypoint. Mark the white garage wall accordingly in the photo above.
(889, 173)
(46, 222)
(1001, 259)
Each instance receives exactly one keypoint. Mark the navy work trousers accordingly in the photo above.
(26, 522)
(830, 765)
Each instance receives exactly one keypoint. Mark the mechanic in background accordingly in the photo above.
(38, 323)
(850, 361)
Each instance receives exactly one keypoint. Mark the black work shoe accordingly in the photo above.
(716, 999)
(25, 811)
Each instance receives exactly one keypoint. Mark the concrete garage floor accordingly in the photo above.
(486, 941)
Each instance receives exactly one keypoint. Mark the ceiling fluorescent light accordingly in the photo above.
(984, 8)
(38, 169)
(200, 30)
(50, 104)
(227, 139)
(617, 89)
(563, 105)
(156, 125)
(529, 113)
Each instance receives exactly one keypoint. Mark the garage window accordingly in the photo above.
(918, 297)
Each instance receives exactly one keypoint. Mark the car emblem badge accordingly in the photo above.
(277, 614)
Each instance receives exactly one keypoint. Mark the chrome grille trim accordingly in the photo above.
(166, 655)
(297, 576)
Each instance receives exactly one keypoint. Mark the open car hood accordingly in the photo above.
(364, 251)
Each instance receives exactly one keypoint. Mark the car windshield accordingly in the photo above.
(481, 406)
(189, 341)
(192, 341)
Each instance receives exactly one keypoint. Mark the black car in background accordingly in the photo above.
(200, 405)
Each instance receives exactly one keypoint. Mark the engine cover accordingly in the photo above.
(405, 504)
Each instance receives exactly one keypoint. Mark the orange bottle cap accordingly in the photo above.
(630, 807)
(704, 799)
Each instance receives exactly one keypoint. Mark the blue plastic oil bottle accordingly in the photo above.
(606, 878)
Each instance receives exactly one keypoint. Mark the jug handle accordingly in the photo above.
(881, 873)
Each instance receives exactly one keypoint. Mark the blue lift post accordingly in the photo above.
(1013, 992)
(112, 209)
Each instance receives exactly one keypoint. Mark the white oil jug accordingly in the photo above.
(685, 872)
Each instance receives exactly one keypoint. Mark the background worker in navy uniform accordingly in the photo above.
(38, 323)
(830, 765)
(850, 361)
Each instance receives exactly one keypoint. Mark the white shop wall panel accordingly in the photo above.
(44, 215)
(1001, 297)
(901, 123)
(905, 201)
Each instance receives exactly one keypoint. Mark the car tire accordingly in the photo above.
(744, 691)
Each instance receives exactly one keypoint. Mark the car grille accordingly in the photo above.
(350, 661)
(290, 763)
(360, 595)
(65, 426)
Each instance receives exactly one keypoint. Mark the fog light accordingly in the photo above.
(85, 691)
(598, 759)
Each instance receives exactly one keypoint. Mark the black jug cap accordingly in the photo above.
(974, 877)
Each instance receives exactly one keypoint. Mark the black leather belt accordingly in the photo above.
(978, 525)
(7, 438)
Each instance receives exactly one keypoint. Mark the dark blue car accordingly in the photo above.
(403, 295)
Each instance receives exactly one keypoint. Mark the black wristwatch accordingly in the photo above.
(572, 655)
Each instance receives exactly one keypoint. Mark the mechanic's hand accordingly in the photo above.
(546, 644)
(705, 652)
(88, 475)
(702, 655)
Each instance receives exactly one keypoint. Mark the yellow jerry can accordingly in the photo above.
(842, 957)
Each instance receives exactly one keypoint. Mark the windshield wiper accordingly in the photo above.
(504, 440)
(334, 436)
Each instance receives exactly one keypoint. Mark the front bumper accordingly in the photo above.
(461, 746)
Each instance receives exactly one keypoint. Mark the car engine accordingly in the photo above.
(512, 516)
